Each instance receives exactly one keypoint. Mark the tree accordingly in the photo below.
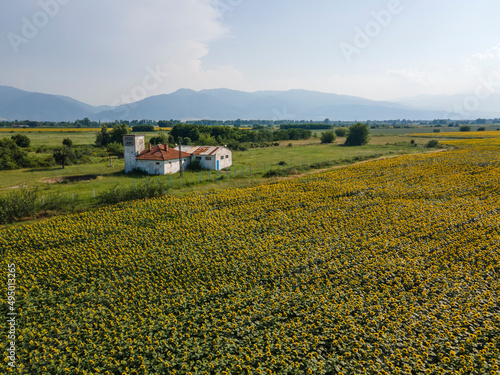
(465, 128)
(481, 129)
(328, 137)
(358, 135)
(161, 139)
(115, 149)
(143, 128)
(186, 130)
(102, 138)
(207, 140)
(21, 140)
(67, 142)
(63, 155)
(119, 130)
(165, 124)
(340, 132)
(116, 135)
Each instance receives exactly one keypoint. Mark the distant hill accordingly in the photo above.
(457, 106)
(18, 104)
(225, 104)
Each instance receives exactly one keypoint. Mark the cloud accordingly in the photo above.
(107, 48)
(482, 63)
(413, 75)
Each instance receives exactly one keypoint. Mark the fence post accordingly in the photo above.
(169, 180)
(134, 186)
(264, 167)
(271, 165)
(209, 175)
(227, 173)
(250, 170)
(43, 200)
(200, 177)
(72, 196)
(93, 192)
(235, 170)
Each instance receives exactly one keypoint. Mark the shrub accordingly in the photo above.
(67, 142)
(465, 128)
(328, 137)
(41, 149)
(12, 156)
(21, 140)
(436, 130)
(195, 166)
(358, 135)
(412, 141)
(276, 173)
(144, 189)
(481, 129)
(115, 149)
(432, 144)
(18, 204)
(340, 132)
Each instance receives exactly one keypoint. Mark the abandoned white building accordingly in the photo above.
(162, 159)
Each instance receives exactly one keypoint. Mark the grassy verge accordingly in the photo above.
(88, 186)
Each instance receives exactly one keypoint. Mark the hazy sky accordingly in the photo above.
(117, 51)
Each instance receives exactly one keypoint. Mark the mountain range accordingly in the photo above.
(225, 104)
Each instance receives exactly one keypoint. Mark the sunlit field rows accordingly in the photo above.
(465, 135)
(387, 267)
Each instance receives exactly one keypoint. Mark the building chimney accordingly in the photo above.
(150, 147)
(166, 147)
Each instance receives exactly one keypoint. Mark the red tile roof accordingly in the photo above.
(161, 153)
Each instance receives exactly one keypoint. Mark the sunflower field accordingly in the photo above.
(387, 267)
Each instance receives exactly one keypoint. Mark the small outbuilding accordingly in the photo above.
(210, 157)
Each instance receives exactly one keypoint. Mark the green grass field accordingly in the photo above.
(54, 139)
(85, 181)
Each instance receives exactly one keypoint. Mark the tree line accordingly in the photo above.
(314, 126)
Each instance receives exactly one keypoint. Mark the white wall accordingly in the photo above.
(164, 167)
(132, 150)
(225, 157)
(208, 164)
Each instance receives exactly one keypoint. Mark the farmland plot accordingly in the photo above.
(388, 267)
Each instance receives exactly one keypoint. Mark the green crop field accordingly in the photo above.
(385, 267)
